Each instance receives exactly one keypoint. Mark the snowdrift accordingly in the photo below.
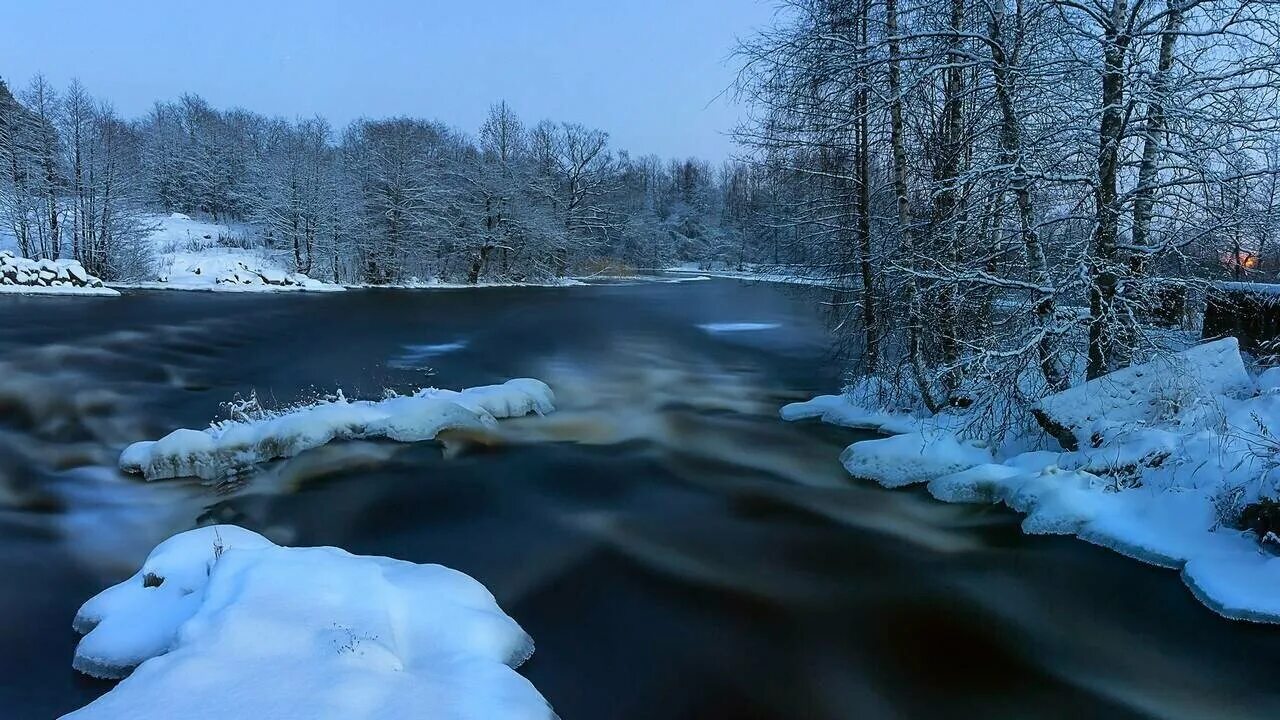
(228, 447)
(1161, 458)
(220, 622)
(1142, 393)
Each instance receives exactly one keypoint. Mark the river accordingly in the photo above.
(675, 549)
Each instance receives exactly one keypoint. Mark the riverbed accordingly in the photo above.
(675, 549)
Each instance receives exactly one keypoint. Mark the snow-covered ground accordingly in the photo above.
(1161, 459)
(199, 255)
(230, 446)
(220, 622)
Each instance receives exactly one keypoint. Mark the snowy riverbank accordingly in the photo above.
(1159, 462)
(220, 622)
(772, 274)
(207, 256)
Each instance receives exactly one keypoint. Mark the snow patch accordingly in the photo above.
(414, 356)
(911, 458)
(1144, 394)
(729, 327)
(228, 447)
(220, 622)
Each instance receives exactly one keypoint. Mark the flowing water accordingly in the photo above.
(675, 550)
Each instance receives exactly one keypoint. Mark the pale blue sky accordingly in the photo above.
(646, 71)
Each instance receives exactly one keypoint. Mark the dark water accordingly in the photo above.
(675, 550)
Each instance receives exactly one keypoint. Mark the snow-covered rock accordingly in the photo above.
(1143, 394)
(219, 623)
(227, 447)
(47, 277)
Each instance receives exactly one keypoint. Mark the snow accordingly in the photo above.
(200, 255)
(730, 327)
(1144, 393)
(758, 273)
(414, 356)
(1270, 289)
(220, 622)
(28, 276)
(842, 410)
(911, 457)
(58, 290)
(1167, 454)
(437, 284)
(228, 447)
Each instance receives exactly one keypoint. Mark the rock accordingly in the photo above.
(273, 276)
(46, 276)
(77, 273)
(1144, 394)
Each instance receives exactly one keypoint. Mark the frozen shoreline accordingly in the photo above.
(1167, 452)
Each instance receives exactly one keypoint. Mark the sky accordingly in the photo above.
(653, 73)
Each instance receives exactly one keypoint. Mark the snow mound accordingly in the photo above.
(1144, 394)
(221, 623)
(47, 277)
(911, 458)
(228, 447)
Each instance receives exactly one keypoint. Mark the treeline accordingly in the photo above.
(382, 201)
(1006, 188)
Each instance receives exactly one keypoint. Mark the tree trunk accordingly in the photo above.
(915, 357)
(1103, 271)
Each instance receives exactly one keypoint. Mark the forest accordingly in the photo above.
(379, 202)
(1017, 195)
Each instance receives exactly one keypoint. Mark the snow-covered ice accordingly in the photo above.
(414, 356)
(1162, 457)
(728, 327)
(226, 447)
(220, 622)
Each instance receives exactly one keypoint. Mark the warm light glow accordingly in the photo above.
(1241, 259)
